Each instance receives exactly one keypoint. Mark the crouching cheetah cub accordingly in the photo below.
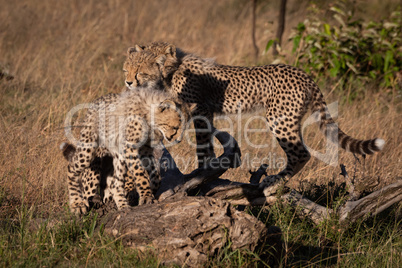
(127, 126)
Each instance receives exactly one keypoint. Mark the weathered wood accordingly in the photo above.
(307, 208)
(256, 175)
(186, 230)
(372, 204)
(251, 195)
(353, 194)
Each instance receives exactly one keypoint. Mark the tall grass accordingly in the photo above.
(62, 53)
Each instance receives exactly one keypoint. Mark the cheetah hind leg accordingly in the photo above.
(91, 182)
(78, 164)
(297, 157)
(77, 203)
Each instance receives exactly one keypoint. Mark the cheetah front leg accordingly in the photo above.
(149, 163)
(136, 169)
(116, 187)
(203, 132)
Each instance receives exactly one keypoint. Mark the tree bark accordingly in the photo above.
(253, 19)
(186, 229)
(281, 27)
(372, 204)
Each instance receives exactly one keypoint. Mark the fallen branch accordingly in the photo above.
(353, 195)
(256, 175)
(372, 204)
(185, 229)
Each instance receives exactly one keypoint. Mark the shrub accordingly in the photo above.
(350, 48)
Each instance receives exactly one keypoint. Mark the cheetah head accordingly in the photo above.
(150, 65)
(142, 69)
(171, 119)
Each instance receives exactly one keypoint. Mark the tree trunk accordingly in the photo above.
(253, 19)
(281, 27)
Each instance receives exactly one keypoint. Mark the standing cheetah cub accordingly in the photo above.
(128, 126)
(285, 92)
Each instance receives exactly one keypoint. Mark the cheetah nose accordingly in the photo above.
(129, 83)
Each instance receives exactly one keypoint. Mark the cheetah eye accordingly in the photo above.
(125, 71)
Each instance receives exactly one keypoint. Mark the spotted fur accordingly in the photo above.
(96, 180)
(285, 92)
(144, 69)
(127, 127)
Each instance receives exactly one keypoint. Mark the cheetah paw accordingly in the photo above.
(95, 201)
(79, 208)
(146, 200)
(271, 184)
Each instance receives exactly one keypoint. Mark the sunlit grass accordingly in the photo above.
(63, 53)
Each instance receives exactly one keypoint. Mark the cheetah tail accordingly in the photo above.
(68, 150)
(336, 135)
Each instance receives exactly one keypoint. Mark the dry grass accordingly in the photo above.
(63, 53)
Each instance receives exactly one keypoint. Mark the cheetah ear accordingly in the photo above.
(171, 51)
(166, 104)
(130, 50)
(137, 48)
(192, 107)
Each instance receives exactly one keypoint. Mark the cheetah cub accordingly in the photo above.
(95, 179)
(127, 126)
(285, 92)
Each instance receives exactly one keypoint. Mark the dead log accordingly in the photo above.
(251, 195)
(186, 229)
(245, 194)
(372, 204)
